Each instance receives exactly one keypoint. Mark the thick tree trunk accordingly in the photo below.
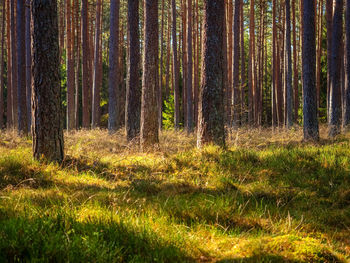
(133, 89)
(113, 68)
(211, 104)
(311, 131)
(47, 123)
(149, 120)
(335, 110)
(288, 68)
(346, 119)
(175, 67)
(97, 78)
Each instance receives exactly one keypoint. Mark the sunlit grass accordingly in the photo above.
(267, 198)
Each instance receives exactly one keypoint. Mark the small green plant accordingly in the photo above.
(168, 113)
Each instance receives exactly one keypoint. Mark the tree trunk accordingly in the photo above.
(329, 18)
(70, 67)
(251, 72)
(86, 72)
(2, 85)
(113, 101)
(149, 120)
(78, 63)
(14, 66)
(335, 111)
(133, 89)
(189, 101)
(309, 72)
(175, 67)
(160, 86)
(9, 115)
(319, 51)
(96, 97)
(288, 68)
(346, 122)
(28, 59)
(47, 122)
(211, 104)
(274, 67)
(236, 57)
(295, 67)
(243, 69)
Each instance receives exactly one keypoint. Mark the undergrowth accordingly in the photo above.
(267, 198)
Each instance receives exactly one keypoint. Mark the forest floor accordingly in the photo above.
(267, 198)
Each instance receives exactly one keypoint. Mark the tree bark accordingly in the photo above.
(329, 18)
(251, 72)
(28, 59)
(189, 101)
(133, 89)
(295, 67)
(346, 118)
(236, 57)
(97, 78)
(335, 110)
(9, 115)
(86, 72)
(211, 104)
(47, 123)
(113, 81)
(175, 67)
(311, 131)
(149, 120)
(2, 85)
(14, 66)
(288, 68)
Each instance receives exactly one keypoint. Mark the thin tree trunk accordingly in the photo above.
(274, 67)
(251, 72)
(230, 62)
(160, 86)
(14, 66)
(86, 56)
(295, 67)
(175, 66)
(189, 101)
(149, 120)
(9, 115)
(28, 58)
(288, 68)
(243, 69)
(329, 18)
(236, 57)
(211, 106)
(319, 51)
(2, 85)
(47, 122)
(96, 96)
(78, 63)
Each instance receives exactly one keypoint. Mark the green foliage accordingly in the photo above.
(169, 113)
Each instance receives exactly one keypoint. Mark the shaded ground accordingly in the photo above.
(267, 198)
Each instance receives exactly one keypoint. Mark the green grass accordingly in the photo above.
(267, 198)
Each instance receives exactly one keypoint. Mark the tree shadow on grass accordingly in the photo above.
(60, 238)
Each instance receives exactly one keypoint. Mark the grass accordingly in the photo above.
(267, 198)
